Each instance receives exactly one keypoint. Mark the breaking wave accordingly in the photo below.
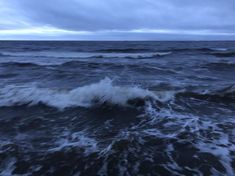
(103, 92)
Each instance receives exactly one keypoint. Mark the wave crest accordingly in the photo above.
(103, 92)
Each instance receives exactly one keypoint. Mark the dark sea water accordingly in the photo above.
(117, 108)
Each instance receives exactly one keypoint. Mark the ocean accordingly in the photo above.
(117, 108)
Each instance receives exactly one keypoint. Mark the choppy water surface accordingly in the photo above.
(117, 108)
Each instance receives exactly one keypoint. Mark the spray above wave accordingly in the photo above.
(86, 96)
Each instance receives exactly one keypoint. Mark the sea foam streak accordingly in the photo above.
(86, 96)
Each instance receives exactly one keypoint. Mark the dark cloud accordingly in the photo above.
(199, 17)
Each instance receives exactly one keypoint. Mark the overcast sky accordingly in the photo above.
(117, 19)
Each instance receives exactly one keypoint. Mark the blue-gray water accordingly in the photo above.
(117, 108)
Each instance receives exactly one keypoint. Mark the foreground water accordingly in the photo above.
(117, 108)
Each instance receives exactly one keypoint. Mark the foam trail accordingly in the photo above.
(86, 96)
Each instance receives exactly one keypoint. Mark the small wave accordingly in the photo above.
(2, 55)
(198, 49)
(228, 90)
(220, 66)
(124, 50)
(136, 55)
(7, 75)
(19, 64)
(90, 65)
(225, 95)
(224, 54)
(162, 53)
(8, 166)
(103, 92)
(48, 54)
(219, 49)
(133, 50)
(212, 49)
(83, 55)
(190, 49)
(147, 55)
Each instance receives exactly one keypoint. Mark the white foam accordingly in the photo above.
(86, 96)
(77, 139)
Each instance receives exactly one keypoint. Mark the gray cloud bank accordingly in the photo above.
(117, 19)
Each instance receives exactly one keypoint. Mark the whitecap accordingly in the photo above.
(85, 96)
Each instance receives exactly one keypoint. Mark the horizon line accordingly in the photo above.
(65, 40)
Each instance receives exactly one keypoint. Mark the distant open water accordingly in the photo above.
(117, 108)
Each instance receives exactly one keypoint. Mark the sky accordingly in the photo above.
(117, 20)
